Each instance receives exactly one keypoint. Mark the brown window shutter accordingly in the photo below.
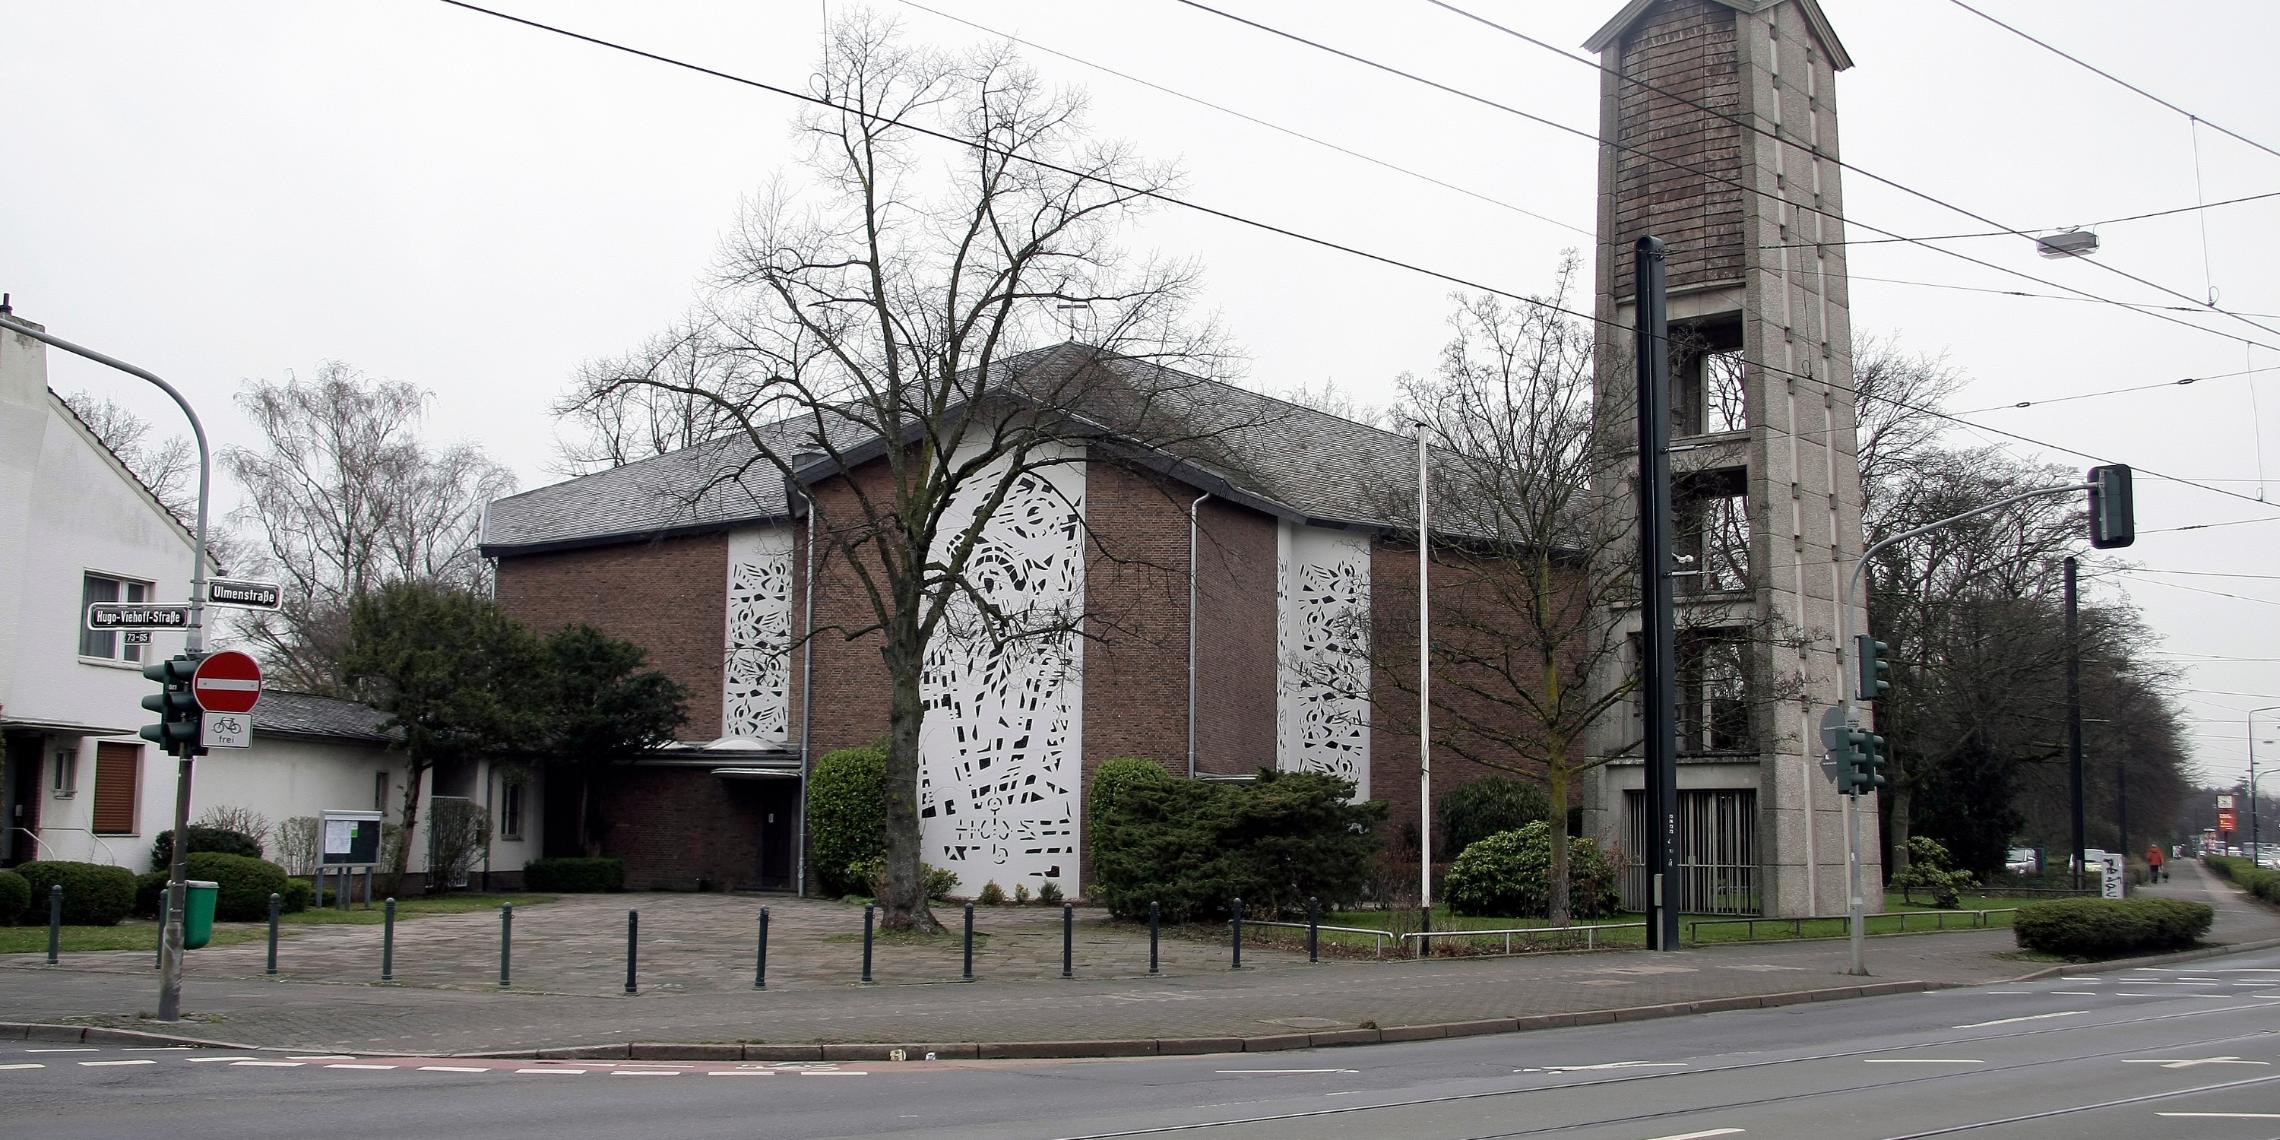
(118, 768)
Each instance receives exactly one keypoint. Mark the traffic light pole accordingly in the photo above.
(1848, 684)
(193, 641)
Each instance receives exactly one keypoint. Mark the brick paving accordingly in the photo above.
(696, 981)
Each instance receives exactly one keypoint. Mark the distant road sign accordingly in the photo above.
(138, 615)
(244, 594)
(227, 682)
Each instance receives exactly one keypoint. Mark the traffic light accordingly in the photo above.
(179, 717)
(1875, 671)
(1860, 766)
(2113, 515)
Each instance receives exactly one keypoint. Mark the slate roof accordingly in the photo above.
(1275, 456)
(306, 714)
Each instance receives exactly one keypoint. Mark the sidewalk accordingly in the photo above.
(696, 985)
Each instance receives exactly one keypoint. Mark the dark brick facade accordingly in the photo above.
(1681, 180)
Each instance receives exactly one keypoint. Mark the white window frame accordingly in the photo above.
(117, 651)
(63, 777)
(511, 803)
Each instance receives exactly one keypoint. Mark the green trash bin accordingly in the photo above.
(198, 912)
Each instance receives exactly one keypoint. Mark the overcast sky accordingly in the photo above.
(246, 189)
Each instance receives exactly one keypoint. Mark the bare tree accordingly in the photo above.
(613, 421)
(168, 468)
(867, 340)
(344, 497)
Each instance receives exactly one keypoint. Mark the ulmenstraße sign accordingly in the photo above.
(244, 594)
(137, 615)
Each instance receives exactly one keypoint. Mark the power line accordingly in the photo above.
(1809, 148)
(2117, 80)
(1270, 227)
(2178, 383)
(1991, 291)
(2200, 574)
(2011, 233)
(2208, 525)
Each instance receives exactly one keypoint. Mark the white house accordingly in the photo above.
(76, 780)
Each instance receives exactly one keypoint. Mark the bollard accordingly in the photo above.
(1313, 929)
(969, 975)
(388, 940)
(55, 922)
(276, 903)
(1237, 923)
(632, 947)
(1068, 939)
(760, 962)
(506, 944)
(1153, 914)
(870, 912)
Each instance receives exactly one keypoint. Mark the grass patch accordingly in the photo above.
(358, 914)
(133, 934)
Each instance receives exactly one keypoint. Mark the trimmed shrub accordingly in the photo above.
(246, 884)
(2107, 928)
(1049, 893)
(575, 875)
(1021, 894)
(938, 882)
(1195, 846)
(203, 838)
(150, 893)
(2261, 882)
(992, 894)
(1928, 872)
(1510, 873)
(1486, 806)
(299, 896)
(847, 816)
(15, 898)
(93, 894)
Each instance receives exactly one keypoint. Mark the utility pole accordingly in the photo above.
(194, 641)
(2074, 716)
(1658, 665)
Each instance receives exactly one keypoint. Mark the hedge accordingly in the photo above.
(2259, 881)
(15, 897)
(575, 875)
(245, 883)
(1194, 846)
(2108, 928)
(1509, 874)
(847, 815)
(219, 839)
(93, 894)
(1487, 806)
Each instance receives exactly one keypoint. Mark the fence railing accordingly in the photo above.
(1977, 920)
(1529, 935)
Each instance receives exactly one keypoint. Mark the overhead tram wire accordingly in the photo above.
(2118, 81)
(1851, 276)
(1269, 227)
(2009, 233)
(1808, 148)
(1175, 93)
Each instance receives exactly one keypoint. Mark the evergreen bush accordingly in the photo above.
(15, 898)
(203, 838)
(847, 816)
(577, 875)
(2107, 928)
(992, 894)
(245, 883)
(1509, 875)
(1194, 846)
(1477, 810)
(299, 896)
(94, 894)
(1928, 872)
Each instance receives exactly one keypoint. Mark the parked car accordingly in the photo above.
(2021, 861)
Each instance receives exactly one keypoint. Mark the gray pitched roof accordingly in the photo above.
(306, 714)
(1275, 456)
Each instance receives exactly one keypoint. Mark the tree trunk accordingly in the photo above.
(589, 842)
(1556, 781)
(413, 777)
(1896, 828)
(904, 896)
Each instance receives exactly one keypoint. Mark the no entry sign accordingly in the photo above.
(227, 682)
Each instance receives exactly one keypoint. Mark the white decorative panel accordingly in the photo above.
(1322, 699)
(756, 682)
(1000, 751)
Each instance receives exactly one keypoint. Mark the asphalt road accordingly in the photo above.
(2186, 1051)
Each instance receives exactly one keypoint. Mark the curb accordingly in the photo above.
(1055, 1050)
(2110, 964)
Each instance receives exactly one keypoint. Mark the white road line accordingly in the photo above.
(2064, 978)
(740, 1073)
(2016, 1020)
(209, 1060)
(2247, 970)
(570, 1072)
(1701, 1135)
(319, 1057)
(1921, 1061)
(832, 1073)
(2226, 1115)
(2189, 1062)
(102, 1064)
(1994, 992)
(70, 1050)
(1261, 1072)
(2074, 993)
(374, 1068)
(646, 1073)
(155, 1048)
(25, 1065)
(268, 1064)
(451, 1069)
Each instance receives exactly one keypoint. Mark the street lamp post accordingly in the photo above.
(2252, 848)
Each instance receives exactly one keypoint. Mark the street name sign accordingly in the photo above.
(226, 682)
(138, 615)
(244, 595)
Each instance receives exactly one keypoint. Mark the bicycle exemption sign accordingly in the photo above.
(226, 730)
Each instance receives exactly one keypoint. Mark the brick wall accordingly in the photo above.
(1235, 640)
(1692, 48)
(674, 826)
(670, 597)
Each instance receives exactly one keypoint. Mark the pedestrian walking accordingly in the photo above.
(2153, 861)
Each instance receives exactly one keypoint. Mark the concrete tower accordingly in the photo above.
(1766, 486)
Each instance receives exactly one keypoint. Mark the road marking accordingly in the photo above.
(2093, 981)
(1701, 1135)
(740, 1073)
(1993, 992)
(25, 1065)
(2226, 1115)
(646, 1073)
(2074, 993)
(155, 1048)
(566, 1072)
(1264, 1072)
(451, 1069)
(1921, 1061)
(268, 1064)
(1600, 1068)
(71, 1050)
(2185, 1062)
(376, 1068)
(2016, 1020)
(319, 1057)
(208, 1060)
(832, 1073)
(137, 1061)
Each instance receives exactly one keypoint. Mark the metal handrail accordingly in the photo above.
(113, 856)
(1378, 934)
(1590, 933)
